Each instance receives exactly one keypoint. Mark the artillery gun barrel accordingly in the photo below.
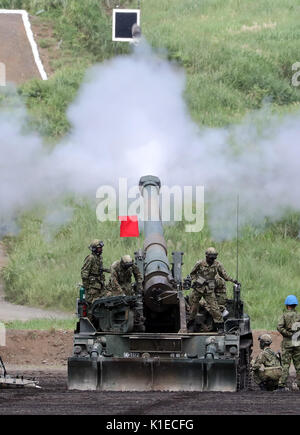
(158, 282)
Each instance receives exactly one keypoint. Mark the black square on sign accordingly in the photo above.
(124, 23)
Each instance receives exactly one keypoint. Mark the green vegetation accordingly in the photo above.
(82, 31)
(236, 55)
(48, 101)
(43, 324)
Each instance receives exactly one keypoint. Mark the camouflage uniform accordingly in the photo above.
(266, 369)
(93, 279)
(220, 292)
(287, 326)
(120, 279)
(214, 292)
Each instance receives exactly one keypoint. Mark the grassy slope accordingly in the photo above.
(236, 52)
(230, 70)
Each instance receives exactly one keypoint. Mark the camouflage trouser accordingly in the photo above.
(94, 293)
(210, 304)
(220, 292)
(270, 377)
(221, 299)
(288, 355)
(119, 290)
(127, 289)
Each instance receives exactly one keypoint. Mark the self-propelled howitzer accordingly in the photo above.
(114, 352)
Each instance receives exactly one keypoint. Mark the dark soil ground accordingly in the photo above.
(55, 399)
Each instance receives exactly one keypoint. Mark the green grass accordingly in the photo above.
(43, 324)
(48, 101)
(236, 54)
(83, 32)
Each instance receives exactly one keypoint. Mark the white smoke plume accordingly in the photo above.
(130, 119)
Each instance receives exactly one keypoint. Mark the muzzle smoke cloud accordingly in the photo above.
(130, 119)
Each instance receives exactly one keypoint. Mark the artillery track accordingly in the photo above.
(55, 399)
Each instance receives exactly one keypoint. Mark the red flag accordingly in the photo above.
(129, 226)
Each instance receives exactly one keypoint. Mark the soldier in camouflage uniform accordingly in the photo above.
(209, 278)
(121, 274)
(92, 273)
(289, 328)
(120, 284)
(266, 368)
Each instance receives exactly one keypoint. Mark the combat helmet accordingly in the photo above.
(211, 252)
(265, 339)
(95, 245)
(126, 261)
(291, 300)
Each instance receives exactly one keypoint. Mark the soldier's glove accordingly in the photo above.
(236, 282)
